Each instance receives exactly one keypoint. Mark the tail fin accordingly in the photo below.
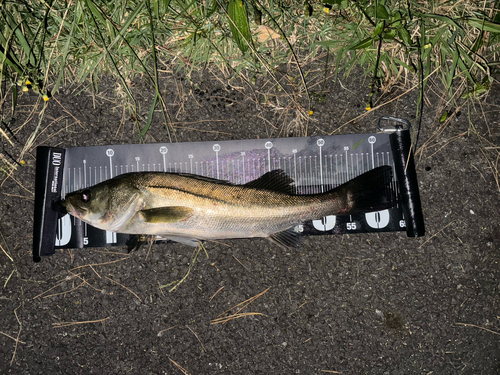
(371, 191)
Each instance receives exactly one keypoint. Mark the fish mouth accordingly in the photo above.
(79, 212)
(59, 206)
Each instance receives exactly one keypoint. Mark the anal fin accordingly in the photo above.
(183, 240)
(286, 239)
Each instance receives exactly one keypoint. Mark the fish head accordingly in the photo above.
(108, 205)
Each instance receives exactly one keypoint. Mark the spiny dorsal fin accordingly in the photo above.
(276, 180)
(166, 214)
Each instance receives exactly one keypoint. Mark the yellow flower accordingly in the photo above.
(368, 107)
(25, 88)
(311, 112)
(28, 82)
(45, 97)
(22, 162)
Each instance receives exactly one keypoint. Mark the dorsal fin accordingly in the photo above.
(155, 183)
(276, 180)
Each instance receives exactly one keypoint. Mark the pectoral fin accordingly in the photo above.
(166, 214)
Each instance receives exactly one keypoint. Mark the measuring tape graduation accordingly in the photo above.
(316, 164)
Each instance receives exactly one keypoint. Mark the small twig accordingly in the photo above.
(8, 278)
(234, 316)
(164, 330)
(244, 303)
(183, 370)
(200, 130)
(55, 286)
(191, 264)
(123, 286)
(198, 122)
(66, 292)
(237, 315)
(19, 196)
(12, 260)
(92, 268)
(21, 185)
(66, 324)
(194, 333)
(98, 264)
(435, 234)
(108, 252)
(241, 263)
(475, 326)
(149, 250)
(13, 338)
(18, 334)
(86, 282)
(211, 298)
(298, 308)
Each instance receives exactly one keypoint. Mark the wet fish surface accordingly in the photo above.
(189, 208)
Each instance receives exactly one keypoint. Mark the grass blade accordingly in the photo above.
(483, 25)
(238, 23)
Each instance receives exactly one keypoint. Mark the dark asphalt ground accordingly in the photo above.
(351, 304)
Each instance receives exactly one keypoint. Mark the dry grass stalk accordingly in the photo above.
(237, 314)
(475, 326)
(86, 282)
(13, 338)
(244, 303)
(165, 330)
(232, 317)
(183, 370)
(191, 264)
(66, 292)
(3, 134)
(6, 253)
(435, 234)
(194, 333)
(98, 264)
(18, 334)
(211, 298)
(123, 286)
(493, 165)
(241, 263)
(66, 324)
(55, 286)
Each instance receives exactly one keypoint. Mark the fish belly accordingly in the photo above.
(225, 221)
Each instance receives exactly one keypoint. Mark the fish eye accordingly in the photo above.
(86, 195)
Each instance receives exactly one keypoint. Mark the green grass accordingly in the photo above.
(457, 41)
(45, 45)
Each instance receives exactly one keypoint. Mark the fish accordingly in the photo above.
(190, 208)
